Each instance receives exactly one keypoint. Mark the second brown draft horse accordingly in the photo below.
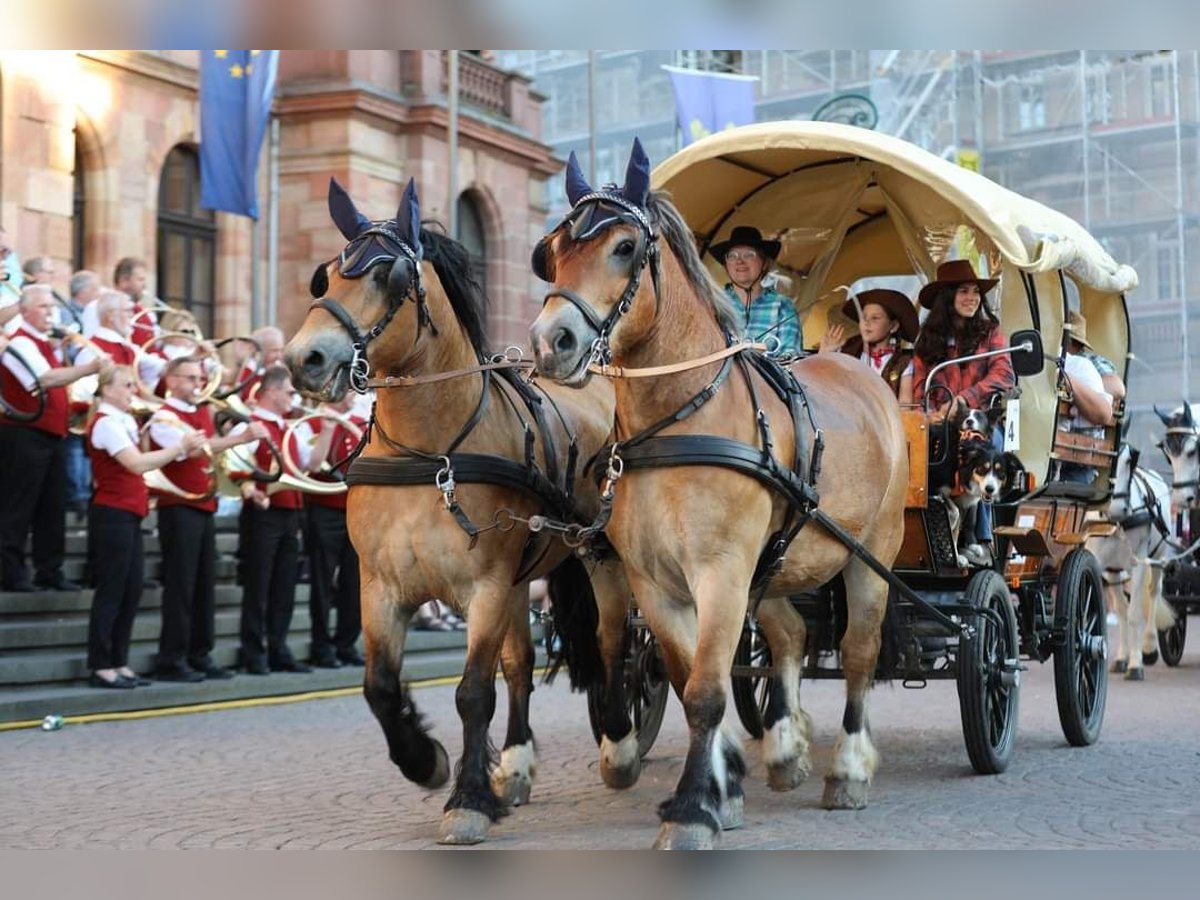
(462, 449)
(712, 470)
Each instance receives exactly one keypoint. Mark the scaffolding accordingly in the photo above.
(1108, 137)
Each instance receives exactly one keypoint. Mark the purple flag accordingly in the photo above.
(706, 102)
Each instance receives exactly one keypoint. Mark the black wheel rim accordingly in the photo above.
(1089, 626)
(996, 694)
(646, 680)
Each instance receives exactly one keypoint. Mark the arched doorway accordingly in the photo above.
(187, 238)
(472, 235)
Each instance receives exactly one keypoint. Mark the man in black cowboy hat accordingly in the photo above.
(770, 317)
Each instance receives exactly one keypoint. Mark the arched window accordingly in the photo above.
(473, 237)
(78, 209)
(187, 238)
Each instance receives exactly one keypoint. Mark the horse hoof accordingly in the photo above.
(513, 788)
(787, 775)
(678, 836)
(1119, 666)
(1138, 674)
(620, 763)
(441, 769)
(842, 794)
(463, 826)
(1150, 658)
(512, 779)
(733, 813)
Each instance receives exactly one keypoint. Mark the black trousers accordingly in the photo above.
(33, 492)
(270, 553)
(115, 548)
(189, 553)
(331, 554)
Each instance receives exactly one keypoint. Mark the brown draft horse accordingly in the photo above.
(399, 301)
(690, 540)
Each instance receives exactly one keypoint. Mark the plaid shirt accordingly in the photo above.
(768, 310)
(974, 381)
(1103, 364)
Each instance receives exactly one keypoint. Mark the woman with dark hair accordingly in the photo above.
(959, 324)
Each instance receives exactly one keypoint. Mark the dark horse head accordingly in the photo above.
(596, 258)
(374, 303)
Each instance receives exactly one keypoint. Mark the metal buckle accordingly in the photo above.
(444, 479)
(360, 368)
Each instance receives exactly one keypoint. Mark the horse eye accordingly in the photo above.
(624, 249)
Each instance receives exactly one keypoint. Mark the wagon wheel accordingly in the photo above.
(752, 692)
(989, 678)
(1171, 640)
(646, 690)
(1080, 672)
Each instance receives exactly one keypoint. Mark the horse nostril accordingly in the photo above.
(314, 362)
(564, 341)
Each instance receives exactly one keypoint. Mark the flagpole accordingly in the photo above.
(591, 117)
(452, 139)
(273, 227)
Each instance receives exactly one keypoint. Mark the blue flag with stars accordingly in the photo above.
(236, 88)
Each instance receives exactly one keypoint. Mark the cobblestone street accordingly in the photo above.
(316, 774)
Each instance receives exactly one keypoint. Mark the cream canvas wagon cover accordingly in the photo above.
(849, 203)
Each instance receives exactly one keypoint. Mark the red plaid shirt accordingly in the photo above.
(974, 381)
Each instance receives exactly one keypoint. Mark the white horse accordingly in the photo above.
(1131, 558)
(1181, 444)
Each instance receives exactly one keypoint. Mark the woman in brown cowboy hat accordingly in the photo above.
(887, 319)
(768, 315)
(959, 324)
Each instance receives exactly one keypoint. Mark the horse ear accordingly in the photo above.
(1188, 421)
(637, 175)
(349, 221)
(541, 262)
(408, 217)
(1134, 455)
(577, 186)
(1165, 417)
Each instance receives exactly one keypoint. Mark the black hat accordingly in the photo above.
(745, 236)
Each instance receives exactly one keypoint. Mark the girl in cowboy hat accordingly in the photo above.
(959, 324)
(888, 317)
(770, 317)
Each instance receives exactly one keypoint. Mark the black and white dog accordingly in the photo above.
(981, 473)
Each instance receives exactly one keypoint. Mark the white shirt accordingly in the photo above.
(866, 357)
(303, 437)
(168, 431)
(1080, 368)
(22, 342)
(149, 366)
(117, 431)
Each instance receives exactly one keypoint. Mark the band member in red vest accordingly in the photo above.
(270, 546)
(119, 503)
(113, 335)
(330, 553)
(271, 343)
(32, 454)
(186, 528)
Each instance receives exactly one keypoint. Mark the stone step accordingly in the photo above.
(77, 698)
(76, 543)
(42, 665)
(52, 602)
(225, 567)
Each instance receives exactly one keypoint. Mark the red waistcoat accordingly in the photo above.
(113, 484)
(193, 474)
(143, 328)
(53, 419)
(280, 499)
(340, 447)
(122, 354)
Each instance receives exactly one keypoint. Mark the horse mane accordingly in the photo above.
(666, 218)
(452, 263)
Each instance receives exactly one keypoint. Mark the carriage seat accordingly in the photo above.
(1096, 448)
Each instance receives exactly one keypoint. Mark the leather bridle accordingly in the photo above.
(647, 253)
(378, 245)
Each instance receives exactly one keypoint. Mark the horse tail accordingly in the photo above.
(575, 619)
(1164, 614)
(890, 640)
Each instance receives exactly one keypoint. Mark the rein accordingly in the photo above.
(498, 362)
(651, 371)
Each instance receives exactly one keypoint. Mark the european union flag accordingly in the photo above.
(236, 87)
(706, 102)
